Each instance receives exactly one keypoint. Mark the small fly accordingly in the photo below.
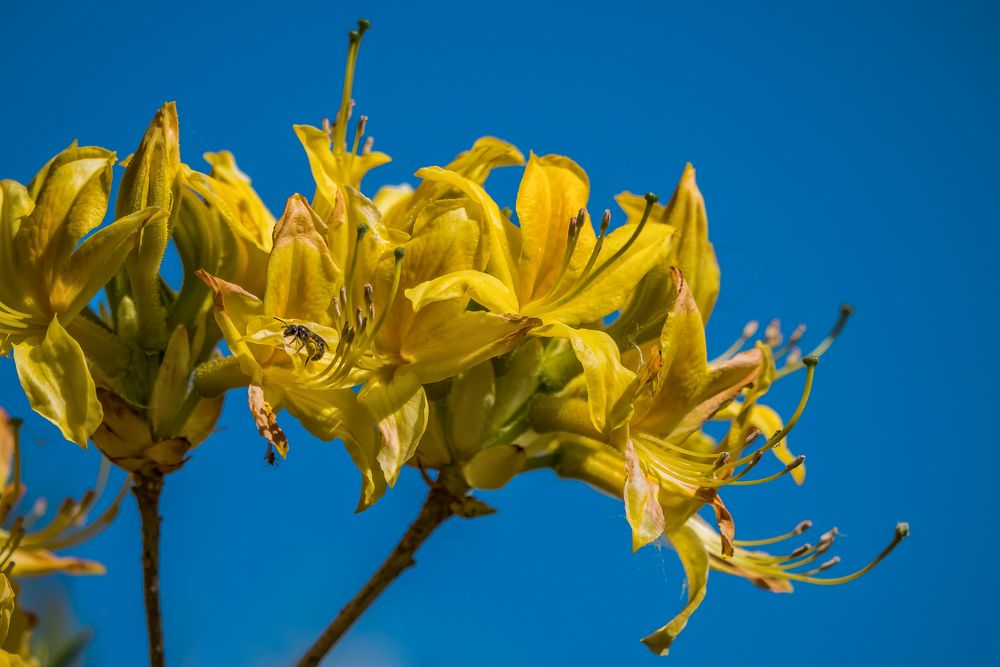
(313, 343)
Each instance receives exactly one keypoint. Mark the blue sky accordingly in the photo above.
(847, 152)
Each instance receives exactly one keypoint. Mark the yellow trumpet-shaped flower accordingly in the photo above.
(30, 551)
(554, 268)
(334, 163)
(52, 263)
(401, 204)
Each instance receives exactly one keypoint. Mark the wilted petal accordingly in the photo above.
(642, 506)
(267, 422)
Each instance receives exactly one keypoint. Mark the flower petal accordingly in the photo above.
(694, 558)
(691, 250)
(689, 391)
(642, 505)
(553, 190)
(482, 288)
(301, 280)
(58, 384)
(337, 413)
(399, 408)
(611, 287)
(608, 382)
(495, 228)
(98, 258)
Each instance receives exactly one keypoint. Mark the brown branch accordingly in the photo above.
(438, 507)
(147, 490)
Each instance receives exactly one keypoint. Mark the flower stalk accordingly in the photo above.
(147, 489)
(438, 508)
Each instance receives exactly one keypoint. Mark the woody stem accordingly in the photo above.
(147, 489)
(437, 508)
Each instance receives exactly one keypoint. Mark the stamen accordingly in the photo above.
(902, 532)
(792, 340)
(772, 334)
(572, 235)
(344, 113)
(586, 280)
(345, 289)
(359, 132)
(799, 551)
(799, 460)
(605, 222)
(95, 527)
(369, 295)
(845, 314)
(13, 540)
(798, 530)
(369, 145)
(810, 364)
(749, 329)
(398, 254)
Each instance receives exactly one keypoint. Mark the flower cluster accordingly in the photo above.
(426, 326)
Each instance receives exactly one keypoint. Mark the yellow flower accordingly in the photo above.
(553, 267)
(334, 164)
(24, 552)
(655, 455)
(48, 276)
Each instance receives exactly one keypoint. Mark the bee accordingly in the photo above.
(313, 343)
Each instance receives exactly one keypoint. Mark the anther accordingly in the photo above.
(369, 144)
(358, 317)
(369, 294)
(902, 530)
(798, 551)
(803, 527)
(828, 564)
(829, 535)
(605, 221)
(772, 334)
(336, 307)
(721, 461)
(753, 435)
(588, 275)
(343, 295)
(749, 329)
(572, 229)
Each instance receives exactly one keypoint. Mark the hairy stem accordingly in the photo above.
(147, 490)
(437, 508)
